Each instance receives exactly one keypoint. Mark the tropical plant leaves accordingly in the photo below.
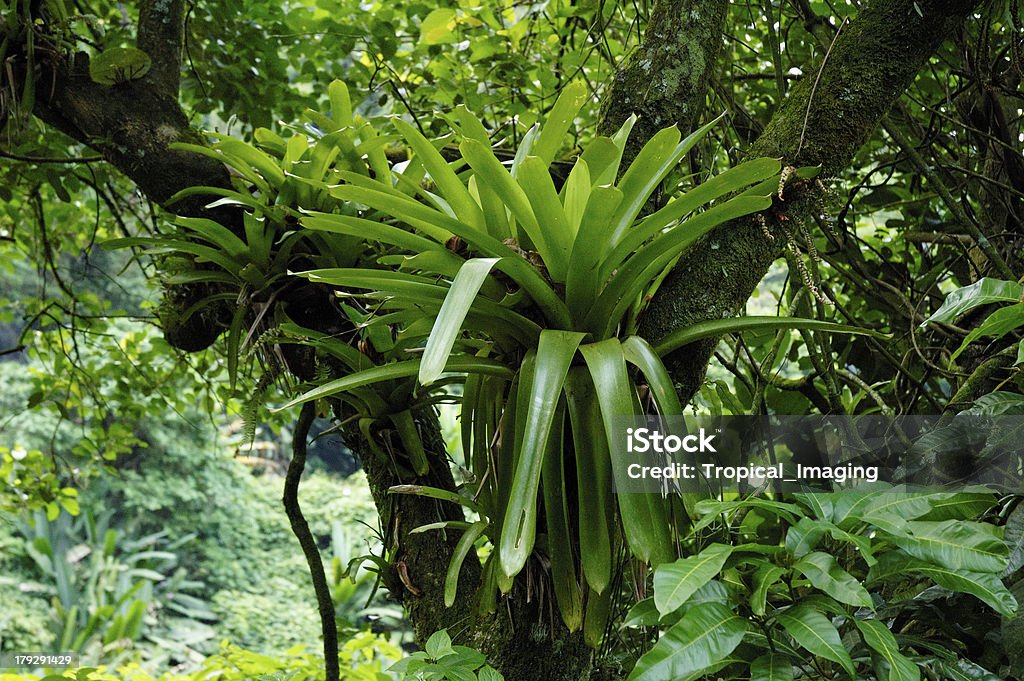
(706, 635)
(813, 631)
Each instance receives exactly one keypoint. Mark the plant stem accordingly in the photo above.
(300, 528)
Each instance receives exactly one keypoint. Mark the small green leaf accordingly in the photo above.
(771, 668)
(119, 65)
(438, 27)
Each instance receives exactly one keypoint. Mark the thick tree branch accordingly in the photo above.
(871, 64)
(666, 79)
(161, 35)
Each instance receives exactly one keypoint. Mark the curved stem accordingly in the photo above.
(300, 528)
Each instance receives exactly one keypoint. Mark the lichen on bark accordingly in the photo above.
(665, 80)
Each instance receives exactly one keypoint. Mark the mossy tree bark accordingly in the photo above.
(824, 121)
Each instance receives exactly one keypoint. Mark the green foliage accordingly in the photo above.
(984, 292)
(442, 661)
(824, 597)
(363, 657)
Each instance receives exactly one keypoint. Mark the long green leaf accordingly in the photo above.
(706, 635)
(536, 181)
(555, 351)
(593, 479)
(440, 227)
(462, 549)
(582, 284)
(559, 120)
(643, 267)
(568, 595)
(813, 631)
(397, 370)
(644, 520)
(654, 161)
(464, 206)
(880, 639)
(718, 186)
(490, 171)
(719, 327)
(461, 295)
(370, 230)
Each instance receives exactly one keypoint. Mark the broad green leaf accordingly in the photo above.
(826, 574)
(771, 668)
(438, 27)
(642, 614)
(880, 639)
(982, 292)
(118, 65)
(803, 537)
(817, 634)
(555, 351)
(450, 317)
(996, 325)
(705, 635)
(986, 586)
(676, 582)
(955, 544)
(462, 549)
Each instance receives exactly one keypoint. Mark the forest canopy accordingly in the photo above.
(426, 258)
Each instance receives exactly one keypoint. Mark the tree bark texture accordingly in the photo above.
(825, 120)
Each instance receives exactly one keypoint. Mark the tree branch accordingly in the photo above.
(872, 63)
(161, 36)
(666, 79)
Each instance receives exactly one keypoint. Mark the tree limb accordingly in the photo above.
(872, 63)
(161, 35)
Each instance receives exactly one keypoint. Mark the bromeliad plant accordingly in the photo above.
(493, 266)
